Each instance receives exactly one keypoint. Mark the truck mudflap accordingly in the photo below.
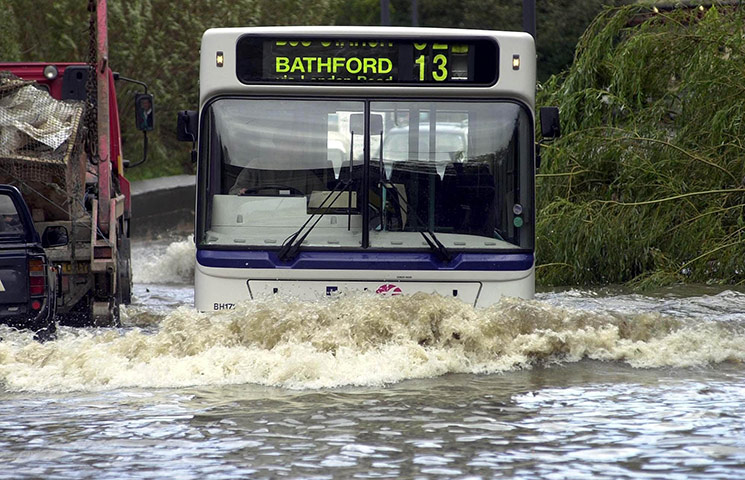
(13, 280)
(467, 292)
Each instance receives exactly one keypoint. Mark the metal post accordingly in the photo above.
(102, 105)
(385, 12)
(529, 16)
(414, 14)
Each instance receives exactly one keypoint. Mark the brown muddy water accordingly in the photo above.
(575, 384)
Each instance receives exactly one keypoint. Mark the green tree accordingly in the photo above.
(9, 48)
(56, 32)
(356, 12)
(560, 23)
(156, 42)
(646, 183)
(161, 44)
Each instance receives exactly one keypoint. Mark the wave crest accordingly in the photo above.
(174, 264)
(358, 339)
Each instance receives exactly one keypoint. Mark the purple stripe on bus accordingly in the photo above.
(366, 261)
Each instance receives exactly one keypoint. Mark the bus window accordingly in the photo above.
(454, 172)
(278, 160)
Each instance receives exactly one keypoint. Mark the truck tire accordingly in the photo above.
(106, 313)
(105, 305)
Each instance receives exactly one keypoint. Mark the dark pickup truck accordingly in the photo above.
(28, 283)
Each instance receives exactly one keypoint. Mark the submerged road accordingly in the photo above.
(577, 384)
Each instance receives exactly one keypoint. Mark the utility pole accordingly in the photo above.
(385, 12)
(529, 16)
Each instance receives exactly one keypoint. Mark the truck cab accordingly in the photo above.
(28, 282)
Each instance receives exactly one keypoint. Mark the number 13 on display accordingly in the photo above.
(439, 62)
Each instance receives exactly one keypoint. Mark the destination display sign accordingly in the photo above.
(360, 61)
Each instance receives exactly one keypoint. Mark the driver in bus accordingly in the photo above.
(280, 166)
(242, 183)
(283, 182)
(252, 177)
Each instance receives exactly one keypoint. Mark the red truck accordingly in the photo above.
(60, 145)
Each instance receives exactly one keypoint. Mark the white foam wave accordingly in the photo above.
(355, 340)
(174, 264)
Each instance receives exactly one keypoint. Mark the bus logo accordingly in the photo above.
(389, 289)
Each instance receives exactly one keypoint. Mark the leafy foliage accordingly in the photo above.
(646, 186)
(559, 22)
(155, 41)
(9, 49)
(647, 183)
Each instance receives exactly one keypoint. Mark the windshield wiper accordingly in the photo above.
(436, 246)
(291, 245)
(434, 243)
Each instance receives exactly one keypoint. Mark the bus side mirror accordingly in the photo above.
(550, 128)
(54, 236)
(186, 125)
(144, 112)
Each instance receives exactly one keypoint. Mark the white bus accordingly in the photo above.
(337, 159)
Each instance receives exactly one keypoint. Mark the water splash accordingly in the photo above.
(173, 264)
(362, 340)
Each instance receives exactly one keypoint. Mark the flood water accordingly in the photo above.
(575, 384)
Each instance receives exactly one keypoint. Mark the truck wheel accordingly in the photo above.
(105, 307)
(105, 313)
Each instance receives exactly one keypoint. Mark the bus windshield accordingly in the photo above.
(371, 174)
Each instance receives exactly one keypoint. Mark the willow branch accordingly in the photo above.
(674, 147)
(566, 174)
(667, 199)
(713, 212)
(555, 264)
(703, 255)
